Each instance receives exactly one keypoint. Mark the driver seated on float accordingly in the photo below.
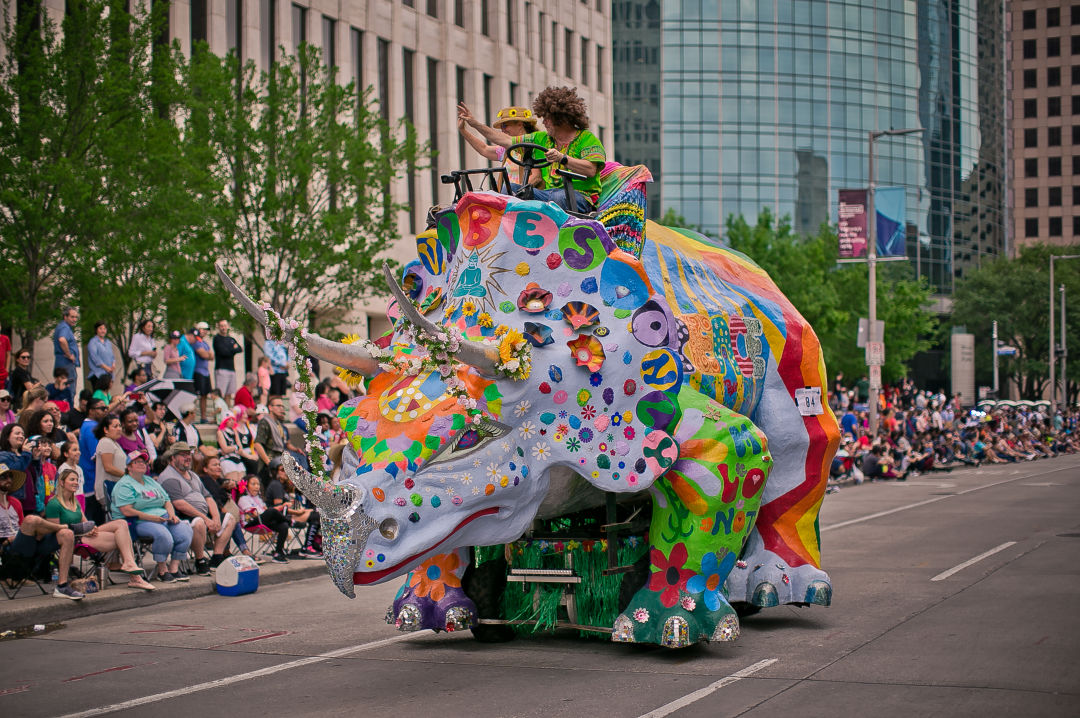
(565, 143)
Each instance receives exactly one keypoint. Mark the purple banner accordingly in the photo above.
(852, 225)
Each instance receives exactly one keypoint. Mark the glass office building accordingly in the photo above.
(768, 103)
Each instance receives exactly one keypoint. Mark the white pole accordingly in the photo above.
(1064, 377)
(871, 261)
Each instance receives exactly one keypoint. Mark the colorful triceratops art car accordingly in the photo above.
(544, 364)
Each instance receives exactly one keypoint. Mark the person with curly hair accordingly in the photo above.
(569, 144)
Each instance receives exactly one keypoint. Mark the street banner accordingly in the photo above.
(852, 225)
(890, 231)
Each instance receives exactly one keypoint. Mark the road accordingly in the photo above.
(955, 595)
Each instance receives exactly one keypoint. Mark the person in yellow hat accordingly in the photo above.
(514, 121)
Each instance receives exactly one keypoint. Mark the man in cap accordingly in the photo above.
(33, 536)
(193, 502)
(185, 428)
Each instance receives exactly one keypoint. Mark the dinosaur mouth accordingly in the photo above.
(363, 578)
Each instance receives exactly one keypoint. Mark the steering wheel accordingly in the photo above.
(528, 160)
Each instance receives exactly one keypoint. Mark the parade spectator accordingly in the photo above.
(221, 490)
(110, 536)
(225, 350)
(263, 373)
(245, 395)
(5, 359)
(42, 423)
(76, 415)
(232, 460)
(32, 536)
(254, 510)
(7, 416)
(21, 379)
(95, 412)
(69, 460)
(278, 356)
(110, 459)
(102, 360)
(201, 376)
(187, 355)
(171, 353)
(218, 408)
(194, 503)
(139, 497)
(60, 390)
(280, 495)
(271, 435)
(185, 430)
(130, 440)
(142, 349)
(153, 431)
(33, 400)
(65, 348)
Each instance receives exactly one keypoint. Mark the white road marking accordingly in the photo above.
(917, 504)
(697, 695)
(219, 683)
(960, 567)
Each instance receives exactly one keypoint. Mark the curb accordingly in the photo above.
(30, 607)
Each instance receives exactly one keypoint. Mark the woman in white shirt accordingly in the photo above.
(142, 347)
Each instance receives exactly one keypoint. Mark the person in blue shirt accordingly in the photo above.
(60, 389)
(102, 359)
(95, 411)
(187, 357)
(65, 348)
(203, 355)
(279, 366)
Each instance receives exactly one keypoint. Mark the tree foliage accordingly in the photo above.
(832, 297)
(305, 162)
(1015, 293)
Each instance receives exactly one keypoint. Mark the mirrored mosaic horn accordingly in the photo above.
(482, 357)
(347, 356)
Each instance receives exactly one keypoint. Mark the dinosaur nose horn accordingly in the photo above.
(346, 356)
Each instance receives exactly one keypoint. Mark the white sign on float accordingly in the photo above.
(809, 401)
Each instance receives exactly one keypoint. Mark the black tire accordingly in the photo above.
(485, 584)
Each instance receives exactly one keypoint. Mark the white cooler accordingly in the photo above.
(237, 575)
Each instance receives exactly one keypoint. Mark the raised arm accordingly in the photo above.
(495, 137)
(488, 152)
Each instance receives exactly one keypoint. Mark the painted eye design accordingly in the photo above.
(469, 440)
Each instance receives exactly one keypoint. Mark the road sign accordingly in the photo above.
(875, 376)
(875, 353)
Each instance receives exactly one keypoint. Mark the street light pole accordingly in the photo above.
(995, 360)
(1053, 381)
(871, 261)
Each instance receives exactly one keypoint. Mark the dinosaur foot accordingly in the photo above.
(690, 619)
(763, 579)
(454, 611)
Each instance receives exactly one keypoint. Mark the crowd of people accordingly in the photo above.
(102, 469)
(921, 431)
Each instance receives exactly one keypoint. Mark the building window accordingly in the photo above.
(357, 39)
(487, 97)
(1053, 136)
(1075, 14)
(1031, 79)
(198, 21)
(408, 63)
(1031, 197)
(433, 124)
(299, 26)
(433, 8)
(1076, 220)
(1053, 16)
(1076, 196)
(1076, 74)
(1031, 108)
(1076, 165)
(268, 13)
(1055, 226)
(384, 78)
(510, 22)
(554, 42)
(484, 29)
(1053, 197)
(541, 25)
(513, 93)
(1053, 106)
(1031, 227)
(1076, 104)
(1029, 50)
(1031, 167)
(459, 95)
(584, 61)
(1053, 166)
(1053, 46)
(1031, 137)
(1053, 76)
(1076, 134)
(568, 49)
(528, 29)
(1029, 19)
(234, 27)
(459, 13)
(409, 3)
(329, 40)
(1075, 44)
(600, 66)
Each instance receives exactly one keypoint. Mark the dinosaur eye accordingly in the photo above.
(469, 440)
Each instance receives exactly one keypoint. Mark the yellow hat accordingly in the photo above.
(516, 114)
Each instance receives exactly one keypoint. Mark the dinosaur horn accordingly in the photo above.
(482, 357)
(347, 356)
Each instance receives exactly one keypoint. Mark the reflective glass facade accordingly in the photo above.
(768, 103)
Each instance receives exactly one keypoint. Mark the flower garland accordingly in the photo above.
(289, 331)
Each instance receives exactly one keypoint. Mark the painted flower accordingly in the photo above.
(541, 451)
(563, 429)
(714, 569)
(485, 320)
(492, 471)
(466, 478)
(588, 412)
(501, 330)
(641, 615)
(433, 576)
(573, 444)
(628, 432)
(586, 435)
(526, 430)
(468, 308)
(669, 577)
(596, 378)
(587, 351)
(688, 603)
(522, 407)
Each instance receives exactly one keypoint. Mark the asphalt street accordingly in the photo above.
(954, 595)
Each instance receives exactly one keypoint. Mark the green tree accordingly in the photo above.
(832, 297)
(1015, 293)
(304, 161)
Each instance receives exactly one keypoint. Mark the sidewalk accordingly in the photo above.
(30, 607)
